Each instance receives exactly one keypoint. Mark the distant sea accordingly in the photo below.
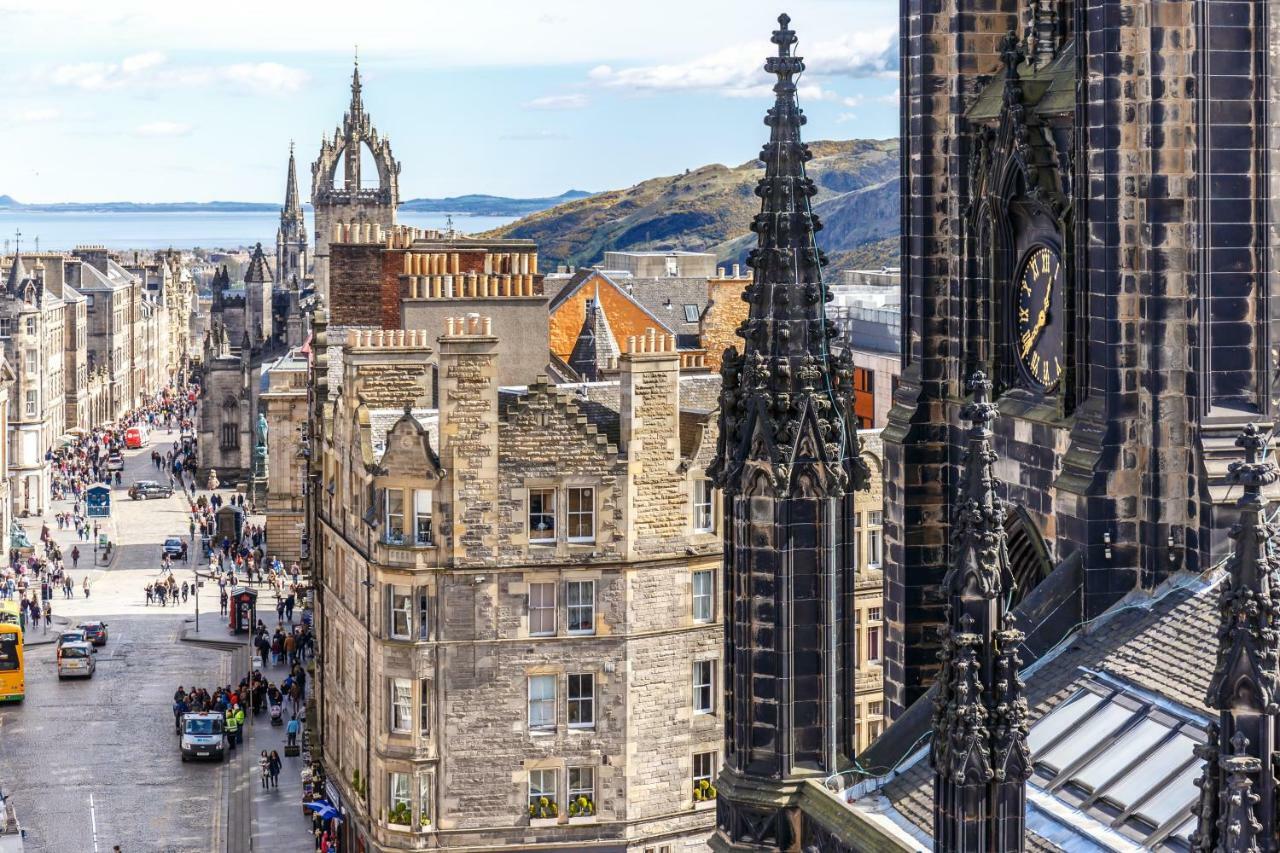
(183, 230)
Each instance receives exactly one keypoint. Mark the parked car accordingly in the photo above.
(76, 660)
(144, 490)
(202, 736)
(94, 632)
(115, 462)
(172, 548)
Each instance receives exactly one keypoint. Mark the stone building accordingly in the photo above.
(283, 403)
(109, 293)
(293, 263)
(7, 379)
(32, 329)
(867, 551)
(258, 286)
(227, 409)
(354, 202)
(520, 593)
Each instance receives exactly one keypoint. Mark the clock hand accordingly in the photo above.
(1029, 340)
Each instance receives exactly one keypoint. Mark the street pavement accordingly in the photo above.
(90, 764)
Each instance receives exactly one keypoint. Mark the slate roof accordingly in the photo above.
(1165, 644)
(382, 420)
(259, 270)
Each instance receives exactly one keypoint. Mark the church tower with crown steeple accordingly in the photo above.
(788, 464)
(358, 198)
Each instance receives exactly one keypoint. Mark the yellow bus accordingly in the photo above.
(13, 686)
(10, 612)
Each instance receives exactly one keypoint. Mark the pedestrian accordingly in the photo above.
(86, 586)
(274, 764)
(291, 730)
(75, 557)
(264, 766)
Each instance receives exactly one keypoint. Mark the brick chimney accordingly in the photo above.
(469, 439)
(649, 413)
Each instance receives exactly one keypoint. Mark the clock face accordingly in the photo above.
(1039, 324)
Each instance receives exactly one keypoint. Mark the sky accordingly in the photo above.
(151, 100)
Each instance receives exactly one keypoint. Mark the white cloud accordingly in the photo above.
(845, 118)
(737, 71)
(39, 115)
(152, 70)
(266, 76)
(559, 102)
(163, 128)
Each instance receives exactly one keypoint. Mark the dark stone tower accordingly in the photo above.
(787, 462)
(291, 238)
(980, 758)
(1086, 218)
(1237, 809)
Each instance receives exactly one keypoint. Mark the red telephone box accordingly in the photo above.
(244, 610)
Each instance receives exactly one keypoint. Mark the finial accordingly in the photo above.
(290, 147)
(981, 411)
(784, 37)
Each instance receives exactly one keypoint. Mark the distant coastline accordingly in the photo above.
(466, 205)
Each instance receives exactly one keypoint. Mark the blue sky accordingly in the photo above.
(142, 100)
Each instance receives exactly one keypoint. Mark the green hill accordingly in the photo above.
(710, 209)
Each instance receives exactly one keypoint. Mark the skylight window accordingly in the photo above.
(1123, 759)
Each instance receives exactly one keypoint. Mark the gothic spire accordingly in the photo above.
(357, 105)
(979, 754)
(1237, 808)
(779, 405)
(292, 201)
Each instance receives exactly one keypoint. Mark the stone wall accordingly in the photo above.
(355, 284)
(726, 310)
(656, 512)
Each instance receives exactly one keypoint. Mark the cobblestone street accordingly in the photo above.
(90, 764)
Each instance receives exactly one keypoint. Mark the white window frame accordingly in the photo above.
(398, 791)
(581, 700)
(388, 517)
(32, 403)
(400, 697)
(581, 512)
(542, 708)
(704, 514)
(589, 607)
(572, 791)
(875, 539)
(542, 783)
(704, 600)
(421, 513)
(538, 608)
(424, 706)
(400, 605)
(424, 797)
(709, 771)
(424, 613)
(542, 537)
(704, 687)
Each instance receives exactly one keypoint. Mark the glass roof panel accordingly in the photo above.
(1177, 795)
(1060, 719)
(1185, 829)
(1131, 746)
(1139, 781)
(1086, 735)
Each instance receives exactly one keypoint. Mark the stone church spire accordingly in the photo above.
(1237, 809)
(787, 464)
(292, 210)
(980, 757)
(780, 408)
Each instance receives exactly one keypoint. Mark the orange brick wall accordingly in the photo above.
(625, 317)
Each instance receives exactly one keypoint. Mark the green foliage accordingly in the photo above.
(703, 791)
(544, 808)
(582, 806)
(400, 814)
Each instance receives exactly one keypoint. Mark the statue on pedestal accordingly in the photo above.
(213, 480)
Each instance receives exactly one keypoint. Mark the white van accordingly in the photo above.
(203, 737)
(76, 659)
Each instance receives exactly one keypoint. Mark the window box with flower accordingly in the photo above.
(582, 810)
(704, 794)
(400, 816)
(544, 812)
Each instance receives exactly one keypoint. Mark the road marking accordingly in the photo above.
(93, 822)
